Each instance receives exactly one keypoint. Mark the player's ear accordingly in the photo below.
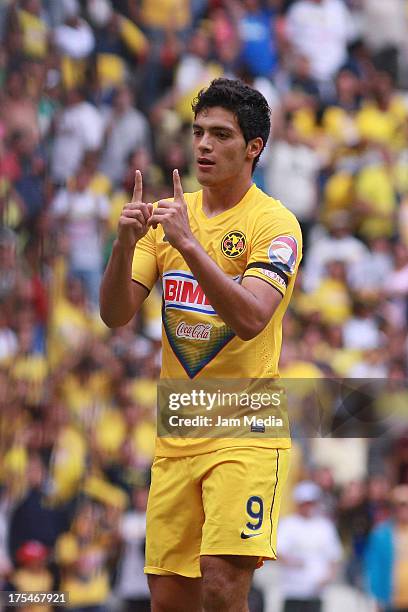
(254, 147)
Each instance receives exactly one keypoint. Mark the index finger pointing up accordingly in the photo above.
(138, 188)
(178, 189)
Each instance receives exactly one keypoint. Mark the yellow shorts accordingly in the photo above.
(221, 503)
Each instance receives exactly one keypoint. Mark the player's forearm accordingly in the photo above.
(230, 300)
(118, 301)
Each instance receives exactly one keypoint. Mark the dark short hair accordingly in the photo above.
(248, 105)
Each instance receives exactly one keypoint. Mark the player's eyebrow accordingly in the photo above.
(212, 128)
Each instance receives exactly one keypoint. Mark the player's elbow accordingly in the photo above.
(250, 326)
(112, 324)
(250, 330)
(246, 335)
(112, 321)
(116, 308)
(113, 316)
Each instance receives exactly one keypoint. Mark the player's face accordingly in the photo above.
(220, 151)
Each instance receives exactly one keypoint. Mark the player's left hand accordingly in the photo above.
(173, 217)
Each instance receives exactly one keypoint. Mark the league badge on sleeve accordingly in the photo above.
(283, 252)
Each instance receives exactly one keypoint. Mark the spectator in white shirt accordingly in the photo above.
(132, 584)
(291, 174)
(385, 30)
(8, 340)
(5, 563)
(320, 30)
(338, 245)
(74, 38)
(309, 551)
(127, 131)
(79, 128)
(361, 332)
(397, 285)
(83, 216)
(396, 289)
(371, 273)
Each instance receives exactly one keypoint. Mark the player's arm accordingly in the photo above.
(246, 308)
(120, 296)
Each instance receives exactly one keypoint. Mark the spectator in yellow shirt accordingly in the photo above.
(83, 555)
(159, 17)
(382, 118)
(118, 41)
(32, 574)
(331, 299)
(33, 28)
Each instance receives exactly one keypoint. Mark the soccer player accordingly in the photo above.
(227, 256)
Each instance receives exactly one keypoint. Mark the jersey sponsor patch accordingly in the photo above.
(199, 331)
(233, 244)
(181, 291)
(283, 252)
(194, 343)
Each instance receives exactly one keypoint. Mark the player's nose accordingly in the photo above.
(205, 143)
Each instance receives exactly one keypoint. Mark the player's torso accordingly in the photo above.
(196, 342)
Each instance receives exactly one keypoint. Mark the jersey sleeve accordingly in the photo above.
(144, 266)
(275, 250)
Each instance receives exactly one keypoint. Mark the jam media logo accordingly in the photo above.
(200, 331)
(233, 244)
(181, 291)
(283, 252)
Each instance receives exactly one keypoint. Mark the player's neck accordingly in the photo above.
(218, 198)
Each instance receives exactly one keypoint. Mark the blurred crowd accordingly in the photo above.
(92, 90)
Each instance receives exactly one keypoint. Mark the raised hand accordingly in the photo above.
(133, 221)
(173, 216)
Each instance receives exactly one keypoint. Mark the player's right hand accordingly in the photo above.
(133, 220)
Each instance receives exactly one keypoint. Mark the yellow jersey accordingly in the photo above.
(160, 14)
(258, 237)
(34, 34)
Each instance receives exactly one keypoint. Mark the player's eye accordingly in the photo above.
(223, 135)
(197, 132)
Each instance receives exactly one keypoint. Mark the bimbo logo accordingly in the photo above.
(182, 291)
(200, 331)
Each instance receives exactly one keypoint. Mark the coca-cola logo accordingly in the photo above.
(199, 331)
